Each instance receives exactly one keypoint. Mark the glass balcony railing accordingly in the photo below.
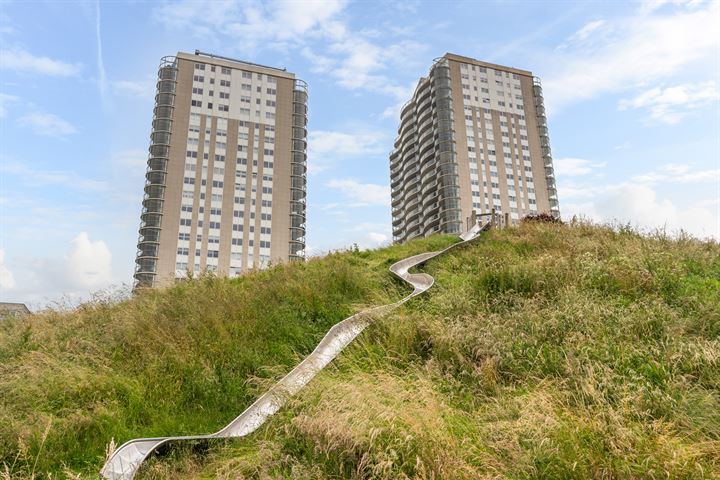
(156, 175)
(298, 169)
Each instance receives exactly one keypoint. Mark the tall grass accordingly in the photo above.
(545, 351)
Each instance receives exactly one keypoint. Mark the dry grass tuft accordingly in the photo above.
(543, 351)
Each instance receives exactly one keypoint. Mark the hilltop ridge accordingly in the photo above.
(551, 351)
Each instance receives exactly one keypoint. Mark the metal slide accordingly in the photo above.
(125, 461)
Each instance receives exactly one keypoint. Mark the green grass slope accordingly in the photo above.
(544, 351)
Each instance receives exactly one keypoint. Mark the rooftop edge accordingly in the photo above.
(472, 61)
(233, 63)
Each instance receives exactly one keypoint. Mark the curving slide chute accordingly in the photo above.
(125, 461)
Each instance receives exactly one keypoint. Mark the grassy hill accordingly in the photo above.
(545, 351)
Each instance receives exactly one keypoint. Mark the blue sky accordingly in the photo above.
(631, 89)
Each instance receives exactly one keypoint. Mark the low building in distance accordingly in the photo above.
(13, 310)
(473, 138)
(226, 178)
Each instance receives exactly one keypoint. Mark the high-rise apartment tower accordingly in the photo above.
(472, 138)
(226, 176)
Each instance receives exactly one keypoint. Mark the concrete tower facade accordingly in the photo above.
(226, 179)
(473, 137)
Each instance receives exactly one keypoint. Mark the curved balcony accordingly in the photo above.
(152, 205)
(424, 163)
(147, 249)
(162, 124)
(154, 191)
(157, 164)
(163, 111)
(156, 174)
(160, 138)
(298, 171)
(156, 177)
(545, 147)
(149, 234)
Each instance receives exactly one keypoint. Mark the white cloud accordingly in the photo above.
(353, 58)
(360, 64)
(364, 235)
(362, 194)
(356, 63)
(143, 89)
(671, 104)
(370, 235)
(6, 277)
(47, 124)
(376, 238)
(88, 263)
(638, 202)
(195, 17)
(676, 168)
(17, 59)
(4, 100)
(325, 147)
(322, 142)
(585, 31)
(641, 206)
(38, 177)
(640, 49)
(622, 146)
(134, 160)
(669, 173)
(575, 166)
(679, 174)
(72, 277)
(649, 6)
(253, 22)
